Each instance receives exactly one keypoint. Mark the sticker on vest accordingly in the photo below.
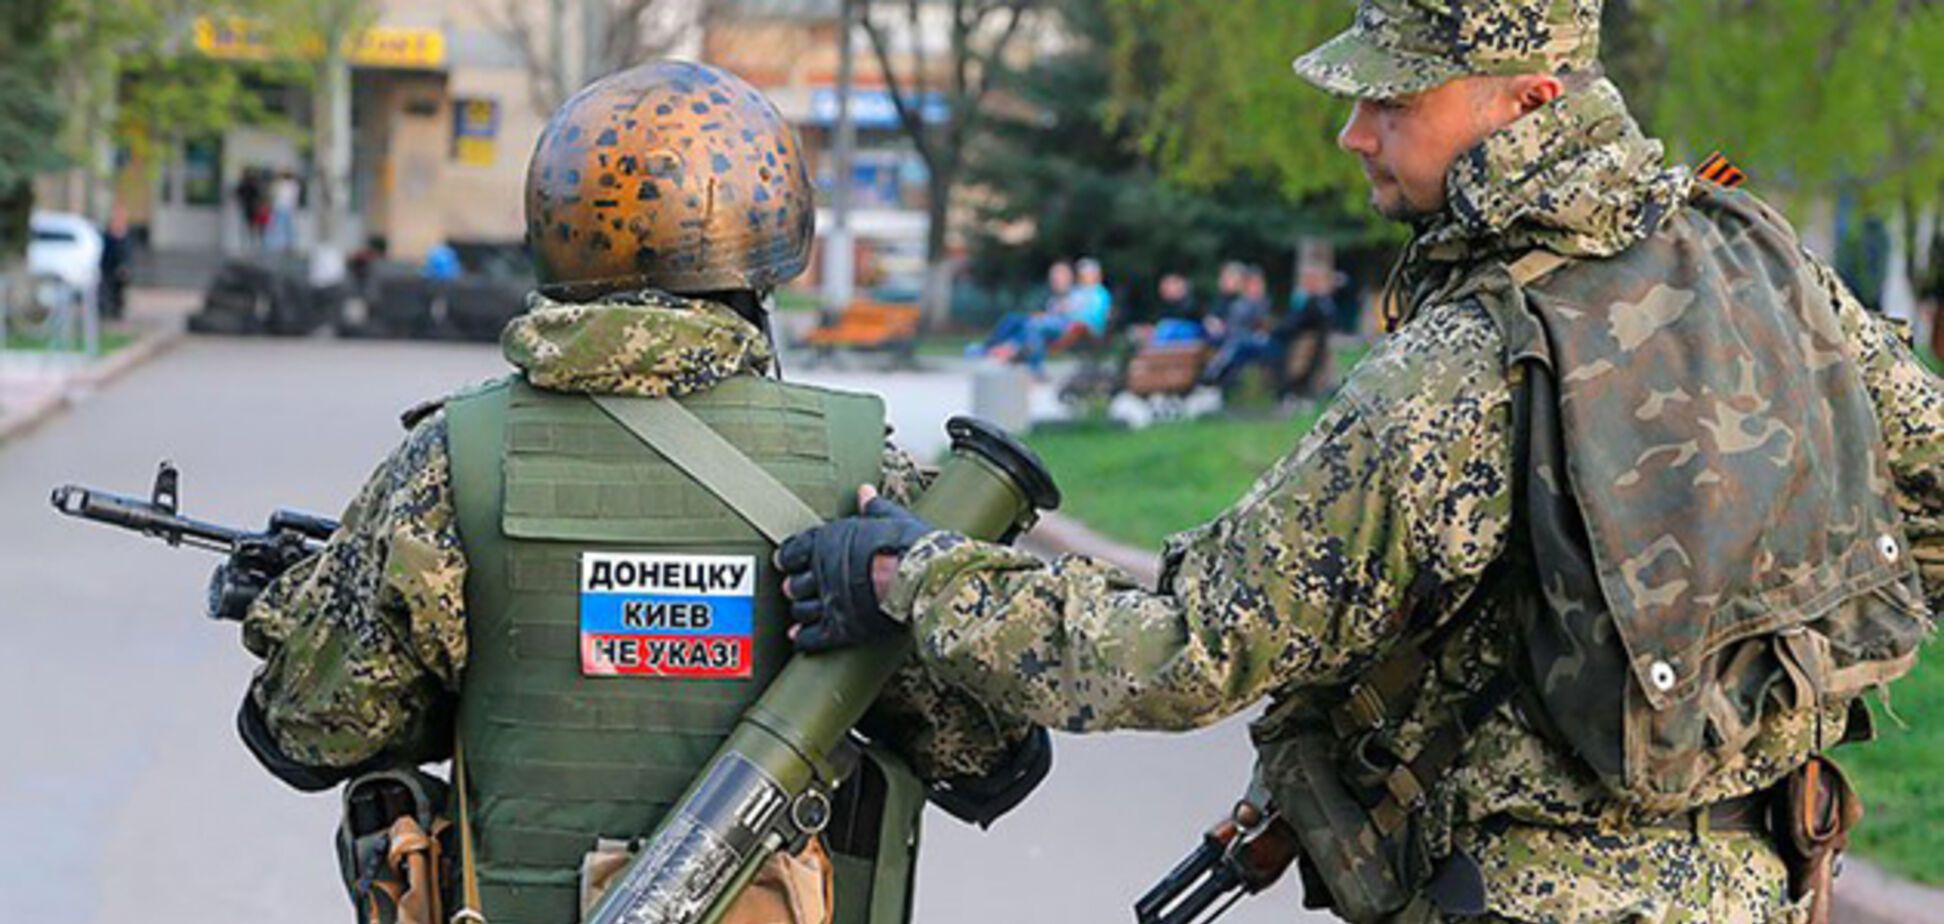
(660, 615)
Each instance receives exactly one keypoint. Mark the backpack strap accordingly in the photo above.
(1385, 694)
(674, 431)
(1534, 266)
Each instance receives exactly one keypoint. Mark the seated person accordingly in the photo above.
(1018, 329)
(1072, 314)
(1242, 336)
(1305, 333)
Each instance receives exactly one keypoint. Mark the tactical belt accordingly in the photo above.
(1742, 814)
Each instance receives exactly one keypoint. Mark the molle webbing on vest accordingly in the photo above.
(557, 759)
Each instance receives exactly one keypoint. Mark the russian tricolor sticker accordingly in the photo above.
(658, 615)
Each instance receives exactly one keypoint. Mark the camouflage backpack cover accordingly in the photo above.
(1709, 508)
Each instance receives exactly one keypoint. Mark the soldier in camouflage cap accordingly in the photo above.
(1401, 47)
(1597, 551)
(664, 203)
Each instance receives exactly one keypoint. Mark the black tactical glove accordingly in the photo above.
(827, 575)
(257, 561)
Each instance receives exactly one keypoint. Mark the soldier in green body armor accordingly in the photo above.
(526, 571)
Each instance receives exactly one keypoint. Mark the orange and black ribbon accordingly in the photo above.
(1717, 170)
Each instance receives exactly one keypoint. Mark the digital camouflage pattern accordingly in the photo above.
(1383, 521)
(1660, 876)
(1602, 193)
(364, 645)
(643, 342)
(1401, 47)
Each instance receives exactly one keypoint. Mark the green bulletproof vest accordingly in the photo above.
(546, 484)
(1704, 539)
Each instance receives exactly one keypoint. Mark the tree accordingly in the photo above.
(129, 81)
(616, 34)
(1211, 86)
(320, 33)
(30, 118)
(980, 34)
(1816, 97)
(1070, 164)
(1818, 101)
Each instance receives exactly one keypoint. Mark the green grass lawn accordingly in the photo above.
(795, 300)
(111, 340)
(1139, 486)
(1901, 777)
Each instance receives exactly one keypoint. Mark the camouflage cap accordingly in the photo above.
(1400, 47)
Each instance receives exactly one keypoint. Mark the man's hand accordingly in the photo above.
(256, 562)
(836, 574)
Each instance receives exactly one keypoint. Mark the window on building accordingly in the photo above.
(202, 172)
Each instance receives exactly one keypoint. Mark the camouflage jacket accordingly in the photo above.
(364, 645)
(1382, 520)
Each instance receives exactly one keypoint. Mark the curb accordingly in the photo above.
(152, 344)
(1865, 893)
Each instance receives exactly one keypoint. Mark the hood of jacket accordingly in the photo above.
(644, 343)
(1576, 177)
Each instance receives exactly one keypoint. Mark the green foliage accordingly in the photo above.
(1210, 86)
(1810, 95)
(29, 114)
(190, 96)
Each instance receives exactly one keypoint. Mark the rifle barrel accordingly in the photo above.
(143, 517)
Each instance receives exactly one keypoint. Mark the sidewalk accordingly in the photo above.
(35, 384)
(1865, 892)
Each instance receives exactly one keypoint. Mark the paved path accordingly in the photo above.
(125, 796)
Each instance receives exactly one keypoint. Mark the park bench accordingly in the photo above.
(1172, 369)
(868, 326)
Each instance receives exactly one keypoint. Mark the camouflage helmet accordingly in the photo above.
(671, 176)
(1401, 47)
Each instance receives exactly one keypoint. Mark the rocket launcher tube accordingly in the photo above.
(761, 789)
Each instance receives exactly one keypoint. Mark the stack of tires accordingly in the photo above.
(399, 302)
(379, 299)
(266, 295)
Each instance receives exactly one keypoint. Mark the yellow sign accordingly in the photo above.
(476, 152)
(231, 37)
(238, 39)
(386, 46)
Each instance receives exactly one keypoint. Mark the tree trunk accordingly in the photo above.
(16, 204)
(936, 305)
(331, 156)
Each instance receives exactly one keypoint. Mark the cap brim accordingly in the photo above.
(1353, 64)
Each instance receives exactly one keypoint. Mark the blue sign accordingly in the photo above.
(874, 108)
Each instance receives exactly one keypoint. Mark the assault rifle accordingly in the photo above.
(1242, 854)
(255, 559)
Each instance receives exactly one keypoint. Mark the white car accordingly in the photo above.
(66, 247)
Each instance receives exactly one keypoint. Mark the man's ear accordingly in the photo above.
(1534, 91)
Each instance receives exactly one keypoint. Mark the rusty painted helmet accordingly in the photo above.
(672, 176)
